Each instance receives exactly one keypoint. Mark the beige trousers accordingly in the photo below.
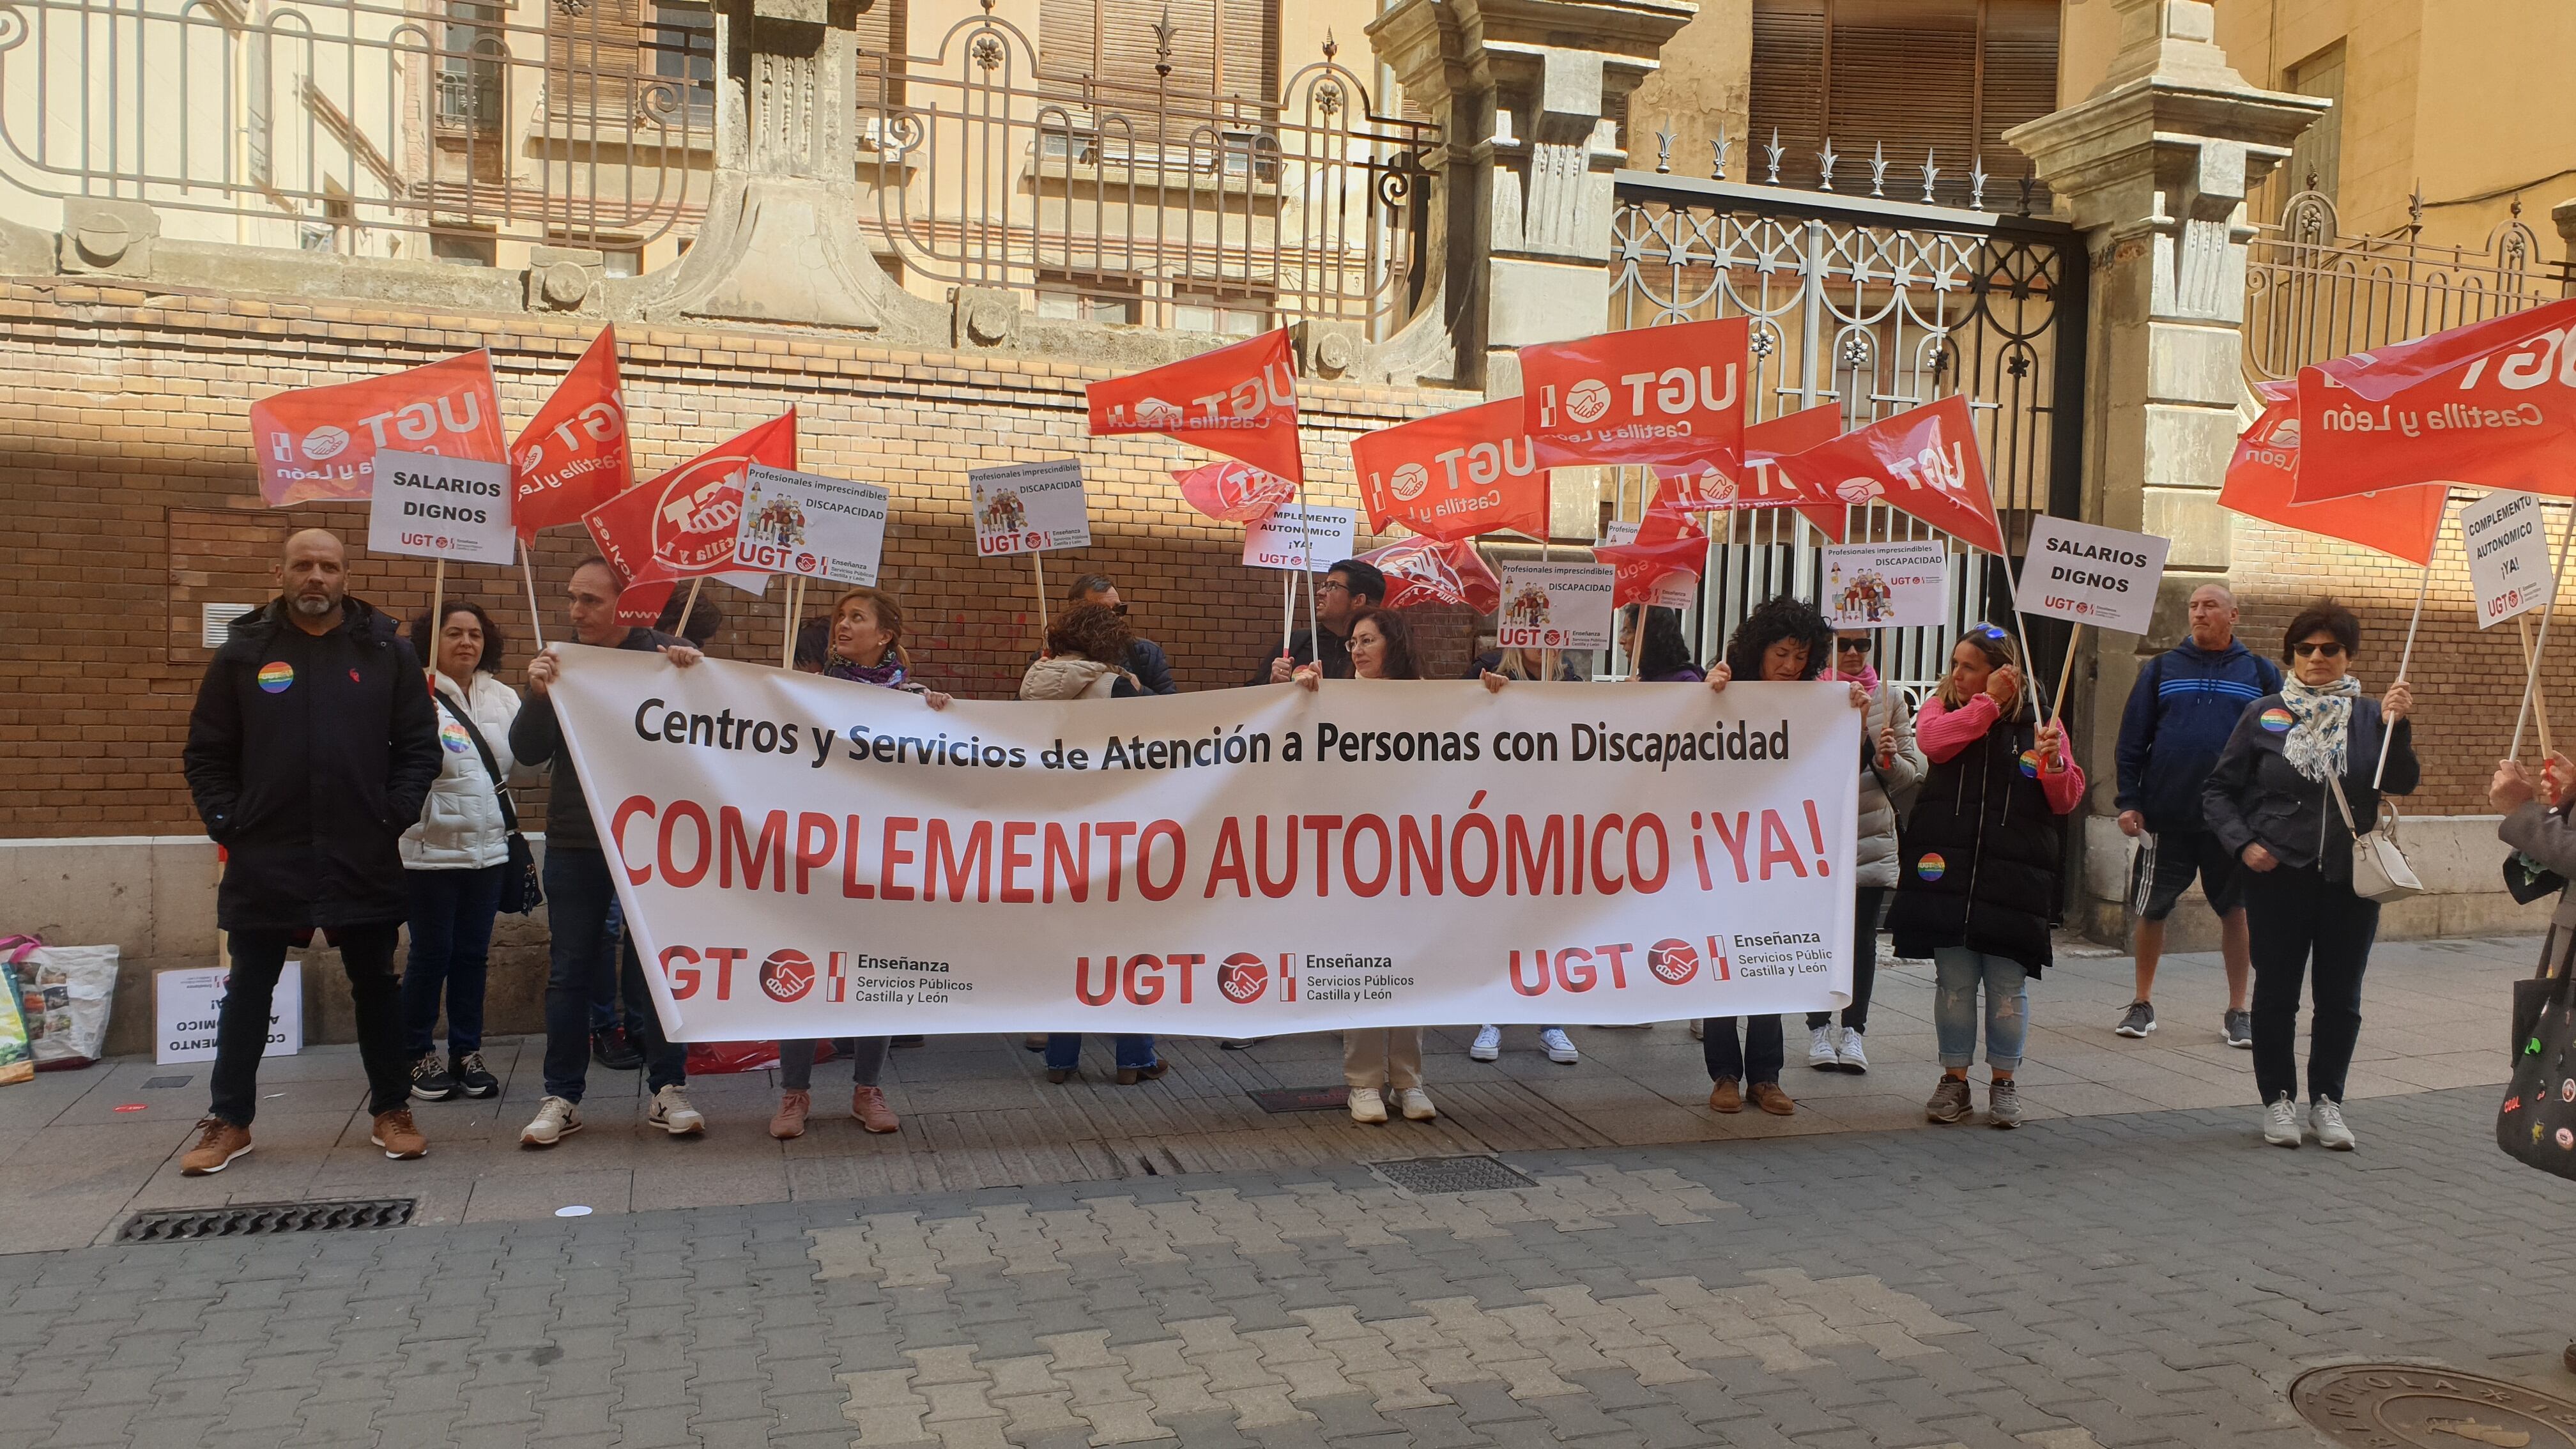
(1389, 1058)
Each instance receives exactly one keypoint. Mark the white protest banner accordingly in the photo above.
(808, 857)
(1297, 537)
(1888, 585)
(429, 506)
(2098, 576)
(2508, 557)
(187, 1004)
(1673, 590)
(1555, 606)
(803, 523)
(1029, 508)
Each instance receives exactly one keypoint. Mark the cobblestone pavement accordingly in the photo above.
(2113, 1280)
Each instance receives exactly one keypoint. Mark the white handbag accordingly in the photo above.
(2379, 868)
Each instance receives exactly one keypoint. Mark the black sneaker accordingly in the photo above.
(2140, 1020)
(610, 1048)
(429, 1079)
(471, 1078)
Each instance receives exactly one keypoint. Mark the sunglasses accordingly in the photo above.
(2305, 650)
(1854, 646)
(1986, 631)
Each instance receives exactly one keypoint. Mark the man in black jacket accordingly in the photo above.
(1340, 594)
(311, 749)
(1145, 659)
(579, 891)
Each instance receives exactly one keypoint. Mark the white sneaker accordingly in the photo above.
(1699, 1028)
(1417, 1105)
(672, 1113)
(1489, 1044)
(2281, 1123)
(1560, 1047)
(555, 1120)
(1820, 1049)
(1850, 1054)
(2326, 1120)
(1367, 1105)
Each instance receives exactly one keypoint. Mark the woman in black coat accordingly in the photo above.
(2271, 802)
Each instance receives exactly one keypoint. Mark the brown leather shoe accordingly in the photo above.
(869, 1105)
(1723, 1097)
(400, 1139)
(1130, 1076)
(790, 1121)
(1769, 1097)
(217, 1145)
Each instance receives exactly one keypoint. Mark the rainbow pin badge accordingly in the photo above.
(275, 676)
(452, 735)
(2278, 720)
(1931, 865)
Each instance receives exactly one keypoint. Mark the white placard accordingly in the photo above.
(1555, 606)
(803, 523)
(2098, 576)
(186, 1005)
(1284, 539)
(216, 620)
(433, 507)
(1888, 585)
(1029, 508)
(1675, 590)
(2508, 557)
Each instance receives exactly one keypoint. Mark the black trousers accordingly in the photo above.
(241, 1029)
(1866, 902)
(1757, 1059)
(2294, 915)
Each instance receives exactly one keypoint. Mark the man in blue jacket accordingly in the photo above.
(2182, 709)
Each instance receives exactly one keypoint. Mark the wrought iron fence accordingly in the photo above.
(1152, 204)
(2313, 293)
(262, 124)
(1875, 307)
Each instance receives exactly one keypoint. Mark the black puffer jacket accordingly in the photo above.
(2256, 794)
(2000, 851)
(308, 756)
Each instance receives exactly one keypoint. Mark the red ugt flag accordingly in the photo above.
(1923, 461)
(682, 524)
(1454, 474)
(1669, 541)
(1430, 571)
(2491, 404)
(572, 456)
(320, 444)
(1232, 492)
(1670, 397)
(1239, 400)
(2262, 476)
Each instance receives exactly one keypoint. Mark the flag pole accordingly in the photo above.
(2540, 646)
(437, 601)
(2073, 633)
(1037, 561)
(2406, 658)
(528, 571)
(2539, 696)
(787, 621)
(2021, 630)
(691, 607)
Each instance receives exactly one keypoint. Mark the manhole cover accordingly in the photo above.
(1453, 1174)
(1303, 1099)
(250, 1219)
(2397, 1404)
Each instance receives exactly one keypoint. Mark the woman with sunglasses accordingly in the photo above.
(1978, 865)
(1891, 770)
(2271, 801)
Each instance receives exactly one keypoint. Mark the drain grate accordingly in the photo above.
(1302, 1099)
(241, 1220)
(1453, 1174)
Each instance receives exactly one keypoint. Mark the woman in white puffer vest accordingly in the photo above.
(454, 860)
(1891, 771)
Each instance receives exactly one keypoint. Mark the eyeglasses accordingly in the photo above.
(1329, 585)
(2304, 649)
(1854, 646)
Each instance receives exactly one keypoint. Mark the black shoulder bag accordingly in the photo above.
(521, 890)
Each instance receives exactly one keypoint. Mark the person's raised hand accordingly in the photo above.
(541, 672)
(1887, 744)
(1494, 682)
(2003, 687)
(1718, 675)
(2557, 775)
(2511, 788)
(2051, 746)
(935, 699)
(683, 655)
(1859, 695)
(1307, 675)
(2399, 700)
(2132, 824)
(1282, 669)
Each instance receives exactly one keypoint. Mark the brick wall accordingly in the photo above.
(128, 467)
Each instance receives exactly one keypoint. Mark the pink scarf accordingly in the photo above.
(1867, 676)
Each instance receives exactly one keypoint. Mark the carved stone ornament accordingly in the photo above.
(985, 317)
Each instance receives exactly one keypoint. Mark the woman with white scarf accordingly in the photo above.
(2271, 801)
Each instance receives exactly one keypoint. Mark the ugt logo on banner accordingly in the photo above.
(1668, 396)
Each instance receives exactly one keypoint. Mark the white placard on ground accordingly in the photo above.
(1672, 591)
(1888, 585)
(186, 1004)
(1313, 539)
(2508, 556)
(2099, 576)
(803, 523)
(1029, 507)
(1555, 606)
(433, 507)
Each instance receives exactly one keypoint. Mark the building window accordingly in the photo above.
(1117, 301)
(1228, 312)
(470, 56)
(464, 248)
(2316, 158)
(1223, 48)
(682, 39)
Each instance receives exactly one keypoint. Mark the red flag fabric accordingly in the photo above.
(1662, 396)
(2492, 404)
(2262, 477)
(1923, 461)
(682, 524)
(572, 456)
(1435, 571)
(1669, 541)
(1454, 474)
(1232, 492)
(1766, 443)
(1239, 400)
(319, 444)
(640, 606)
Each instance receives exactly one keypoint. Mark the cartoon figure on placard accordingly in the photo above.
(1528, 608)
(1868, 597)
(777, 521)
(1004, 513)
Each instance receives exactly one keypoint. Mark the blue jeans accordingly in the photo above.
(451, 947)
(1956, 974)
(578, 894)
(604, 1012)
(1064, 1051)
